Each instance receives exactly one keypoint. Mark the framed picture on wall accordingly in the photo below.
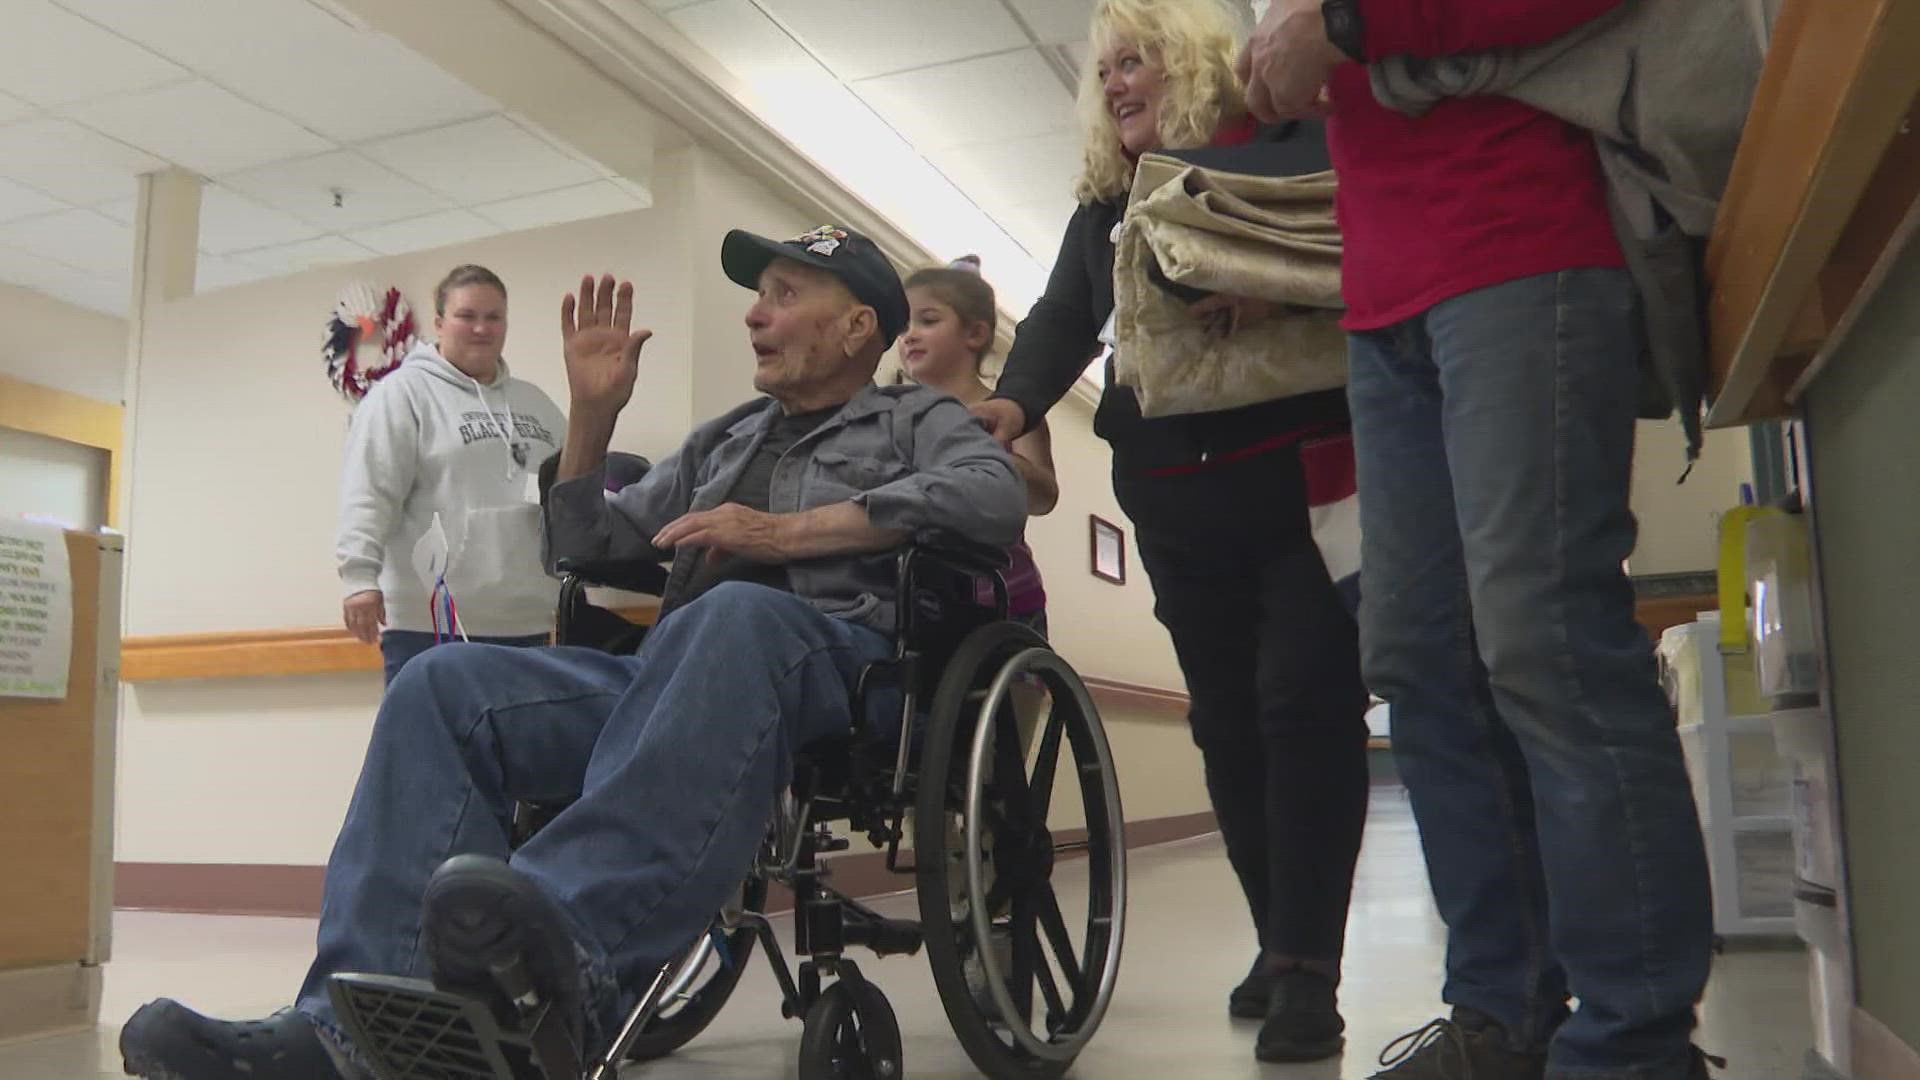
(1109, 550)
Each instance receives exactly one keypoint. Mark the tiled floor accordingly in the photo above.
(1187, 944)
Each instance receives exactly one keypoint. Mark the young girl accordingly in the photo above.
(949, 334)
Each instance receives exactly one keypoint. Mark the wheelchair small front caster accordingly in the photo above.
(851, 1034)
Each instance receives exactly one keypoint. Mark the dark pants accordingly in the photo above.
(399, 646)
(1494, 437)
(1271, 658)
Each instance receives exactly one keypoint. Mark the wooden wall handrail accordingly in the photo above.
(240, 654)
(1824, 175)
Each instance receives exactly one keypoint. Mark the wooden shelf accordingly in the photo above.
(1820, 200)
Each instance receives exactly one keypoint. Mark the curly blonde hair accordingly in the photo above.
(1195, 42)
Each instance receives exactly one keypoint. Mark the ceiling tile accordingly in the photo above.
(858, 38)
(670, 5)
(61, 156)
(121, 210)
(377, 88)
(64, 282)
(1036, 171)
(52, 57)
(1038, 229)
(217, 272)
(82, 239)
(304, 255)
(346, 83)
(598, 199)
(1056, 22)
(369, 194)
(991, 99)
(422, 233)
(19, 201)
(231, 222)
(200, 126)
(751, 46)
(481, 160)
(12, 108)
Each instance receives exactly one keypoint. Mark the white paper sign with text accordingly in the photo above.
(36, 610)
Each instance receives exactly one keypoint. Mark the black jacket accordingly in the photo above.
(1060, 335)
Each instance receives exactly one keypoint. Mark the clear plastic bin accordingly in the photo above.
(1763, 862)
(1760, 780)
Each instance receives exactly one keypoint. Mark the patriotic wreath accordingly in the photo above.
(360, 319)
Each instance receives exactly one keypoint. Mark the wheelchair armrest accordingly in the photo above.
(959, 554)
(628, 575)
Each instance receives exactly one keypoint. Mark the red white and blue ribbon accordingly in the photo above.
(361, 319)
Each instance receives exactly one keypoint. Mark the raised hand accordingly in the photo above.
(602, 348)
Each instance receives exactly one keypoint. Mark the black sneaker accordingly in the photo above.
(165, 1040)
(492, 934)
(1303, 1019)
(1249, 1000)
(1470, 1046)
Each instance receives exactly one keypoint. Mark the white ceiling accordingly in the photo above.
(279, 104)
(953, 117)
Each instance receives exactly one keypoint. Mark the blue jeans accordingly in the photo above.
(1495, 444)
(399, 646)
(671, 760)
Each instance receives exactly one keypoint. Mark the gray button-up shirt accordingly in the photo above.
(913, 457)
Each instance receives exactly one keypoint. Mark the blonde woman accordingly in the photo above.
(1266, 643)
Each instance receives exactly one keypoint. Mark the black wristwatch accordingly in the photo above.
(1344, 27)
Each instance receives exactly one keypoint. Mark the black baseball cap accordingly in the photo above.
(847, 255)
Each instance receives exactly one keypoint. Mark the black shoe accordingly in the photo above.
(491, 934)
(1249, 1000)
(1303, 1019)
(165, 1040)
(1470, 1046)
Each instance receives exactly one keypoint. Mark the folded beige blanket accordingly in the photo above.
(1270, 238)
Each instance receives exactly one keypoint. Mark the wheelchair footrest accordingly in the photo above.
(886, 937)
(408, 1030)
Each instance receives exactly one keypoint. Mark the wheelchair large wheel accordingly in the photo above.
(705, 980)
(1025, 965)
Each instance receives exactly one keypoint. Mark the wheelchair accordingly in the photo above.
(967, 797)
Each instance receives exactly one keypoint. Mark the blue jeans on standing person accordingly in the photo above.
(1494, 435)
(670, 760)
(399, 646)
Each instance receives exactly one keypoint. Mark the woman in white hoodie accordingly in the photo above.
(449, 437)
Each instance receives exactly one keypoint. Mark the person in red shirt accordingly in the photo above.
(1493, 340)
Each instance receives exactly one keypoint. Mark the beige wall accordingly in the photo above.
(1679, 523)
(62, 346)
(235, 473)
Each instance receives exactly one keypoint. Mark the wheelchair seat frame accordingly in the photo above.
(992, 923)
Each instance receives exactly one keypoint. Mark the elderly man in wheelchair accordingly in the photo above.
(826, 652)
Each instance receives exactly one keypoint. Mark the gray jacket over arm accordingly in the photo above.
(913, 457)
(1664, 86)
